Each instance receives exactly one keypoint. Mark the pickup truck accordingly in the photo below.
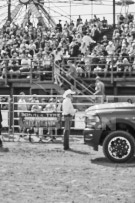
(112, 126)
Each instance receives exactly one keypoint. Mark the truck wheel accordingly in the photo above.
(119, 146)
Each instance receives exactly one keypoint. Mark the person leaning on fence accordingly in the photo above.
(2, 149)
(22, 107)
(100, 91)
(68, 112)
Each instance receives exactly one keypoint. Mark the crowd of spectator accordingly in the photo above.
(38, 104)
(38, 47)
(116, 54)
(34, 50)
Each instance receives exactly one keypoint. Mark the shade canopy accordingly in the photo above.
(124, 2)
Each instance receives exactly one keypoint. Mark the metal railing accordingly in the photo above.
(38, 72)
(42, 118)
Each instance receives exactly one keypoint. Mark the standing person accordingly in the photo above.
(100, 90)
(2, 149)
(68, 113)
(22, 107)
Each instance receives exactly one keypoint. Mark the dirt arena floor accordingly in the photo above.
(45, 173)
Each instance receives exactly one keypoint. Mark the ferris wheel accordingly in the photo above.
(46, 12)
(30, 9)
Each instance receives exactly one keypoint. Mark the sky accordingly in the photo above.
(70, 9)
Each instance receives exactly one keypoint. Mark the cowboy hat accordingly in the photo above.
(67, 92)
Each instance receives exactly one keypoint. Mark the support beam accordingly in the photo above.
(9, 10)
(114, 13)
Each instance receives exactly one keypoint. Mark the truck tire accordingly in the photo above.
(119, 146)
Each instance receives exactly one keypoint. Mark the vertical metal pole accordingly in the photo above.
(6, 71)
(49, 11)
(12, 106)
(113, 13)
(9, 10)
(112, 70)
(91, 9)
(70, 10)
(31, 77)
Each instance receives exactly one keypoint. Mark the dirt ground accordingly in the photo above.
(45, 173)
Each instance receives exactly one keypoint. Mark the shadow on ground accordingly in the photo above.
(79, 152)
(105, 162)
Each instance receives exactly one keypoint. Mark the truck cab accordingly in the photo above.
(112, 126)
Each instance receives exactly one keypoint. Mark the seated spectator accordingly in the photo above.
(98, 49)
(111, 64)
(117, 40)
(47, 58)
(133, 66)
(132, 31)
(13, 65)
(79, 69)
(105, 41)
(124, 52)
(131, 52)
(121, 19)
(25, 63)
(115, 32)
(102, 63)
(119, 64)
(94, 59)
(40, 56)
(34, 106)
(24, 45)
(130, 18)
(126, 29)
(104, 52)
(126, 66)
(4, 105)
(32, 47)
(51, 106)
(79, 38)
(97, 70)
(14, 50)
(4, 64)
(110, 48)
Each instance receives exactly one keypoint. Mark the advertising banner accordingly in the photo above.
(40, 119)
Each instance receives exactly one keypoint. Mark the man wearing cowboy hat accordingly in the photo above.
(68, 113)
(100, 90)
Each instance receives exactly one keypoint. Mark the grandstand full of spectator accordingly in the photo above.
(38, 48)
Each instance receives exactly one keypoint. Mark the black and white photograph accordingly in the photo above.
(67, 101)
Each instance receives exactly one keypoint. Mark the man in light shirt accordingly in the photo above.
(68, 112)
(22, 107)
(87, 39)
(99, 90)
